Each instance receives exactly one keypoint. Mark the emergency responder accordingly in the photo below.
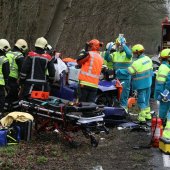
(166, 132)
(33, 72)
(161, 78)
(16, 58)
(91, 63)
(4, 72)
(142, 72)
(122, 58)
(110, 48)
(51, 51)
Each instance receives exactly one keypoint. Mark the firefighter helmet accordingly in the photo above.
(4, 45)
(21, 44)
(41, 43)
(49, 47)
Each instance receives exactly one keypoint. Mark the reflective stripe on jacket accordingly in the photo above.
(162, 73)
(3, 59)
(90, 70)
(141, 71)
(120, 60)
(12, 56)
(35, 66)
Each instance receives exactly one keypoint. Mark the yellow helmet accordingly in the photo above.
(21, 44)
(117, 41)
(165, 53)
(41, 43)
(4, 45)
(138, 48)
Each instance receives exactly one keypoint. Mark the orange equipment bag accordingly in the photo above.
(39, 95)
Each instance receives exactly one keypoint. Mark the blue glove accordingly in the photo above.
(110, 47)
(165, 96)
(122, 41)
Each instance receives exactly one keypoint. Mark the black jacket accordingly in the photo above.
(35, 66)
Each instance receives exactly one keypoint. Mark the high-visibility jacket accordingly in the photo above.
(120, 60)
(3, 60)
(107, 63)
(142, 72)
(161, 77)
(166, 132)
(12, 56)
(90, 70)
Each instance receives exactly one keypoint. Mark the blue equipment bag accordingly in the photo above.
(25, 129)
(3, 137)
(10, 136)
(114, 116)
(13, 135)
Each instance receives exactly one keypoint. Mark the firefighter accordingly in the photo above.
(33, 72)
(121, 58)
(161, 78)
(142, 72)
(90, 62)
(16, 58)
(4, 72)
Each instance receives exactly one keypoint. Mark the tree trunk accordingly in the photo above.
(57, 24)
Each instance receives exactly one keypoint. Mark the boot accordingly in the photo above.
(148, 113)
(141, 116)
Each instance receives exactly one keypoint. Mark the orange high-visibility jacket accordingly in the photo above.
(90, 70)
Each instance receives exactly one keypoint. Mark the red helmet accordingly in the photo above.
(95, 44)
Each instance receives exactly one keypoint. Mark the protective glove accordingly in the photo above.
(165, 96)
(110, 48)
(122, 40)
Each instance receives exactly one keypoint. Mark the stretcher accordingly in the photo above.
(64, 117)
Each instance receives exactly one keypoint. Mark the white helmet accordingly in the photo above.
(4, 45)
(110, 44)
(21, 44)
(41, 43)
(49, 47)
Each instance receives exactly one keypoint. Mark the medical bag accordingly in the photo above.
(25, 129)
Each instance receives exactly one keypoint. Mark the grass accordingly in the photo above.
(42, 160)
(30, 158)
(9, 151)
